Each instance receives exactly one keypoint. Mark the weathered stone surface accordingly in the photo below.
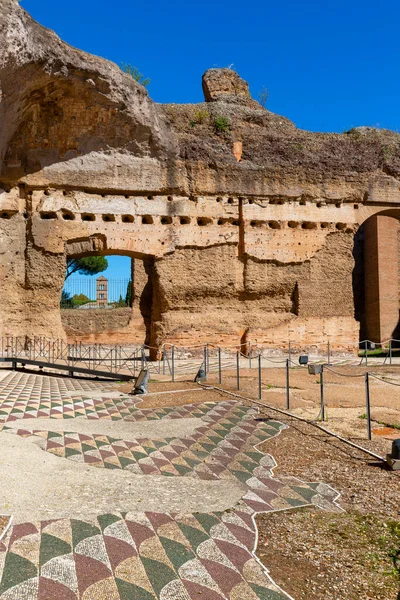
(115, 326)
(270, 247)
(221, 83)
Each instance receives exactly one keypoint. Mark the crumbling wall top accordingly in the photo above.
(220, 84)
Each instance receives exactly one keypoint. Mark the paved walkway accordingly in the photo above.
(159, 550)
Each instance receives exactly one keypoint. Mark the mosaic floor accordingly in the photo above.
(147, 555)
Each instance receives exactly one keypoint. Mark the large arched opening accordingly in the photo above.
(376, 277)
(105, 319)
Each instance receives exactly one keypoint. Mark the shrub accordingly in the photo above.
(263, 97)
(201, 115)
(135, 74)
(221, 124)
(80, 299)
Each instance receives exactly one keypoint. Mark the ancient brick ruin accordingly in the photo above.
(241, 226)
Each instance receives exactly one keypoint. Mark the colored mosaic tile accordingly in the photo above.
(148, 555)
(144, 555)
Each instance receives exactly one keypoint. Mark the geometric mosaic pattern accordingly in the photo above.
(149, 555)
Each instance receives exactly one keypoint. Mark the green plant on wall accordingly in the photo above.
(221, 124)
(135, 74)
(263, 97)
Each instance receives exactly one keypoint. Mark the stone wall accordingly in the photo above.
(262, 244)
(103, 326)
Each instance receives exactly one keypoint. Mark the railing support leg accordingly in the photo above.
(368, 405)
(287, 385)
(321, 384)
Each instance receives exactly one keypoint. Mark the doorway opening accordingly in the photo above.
(376, 277)
(107, 299)
(97, 282)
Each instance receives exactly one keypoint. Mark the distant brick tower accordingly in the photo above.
(102, 291)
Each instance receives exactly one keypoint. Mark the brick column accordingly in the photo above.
(381, 262)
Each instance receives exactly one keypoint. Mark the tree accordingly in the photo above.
(90, 265)
(66, 300)
(80, 299)
(135, 74)
(120, 303)
(128, 295)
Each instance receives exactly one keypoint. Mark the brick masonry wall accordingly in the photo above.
(381, 277)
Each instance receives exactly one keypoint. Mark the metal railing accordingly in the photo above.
(175, 362)
(182, 361)
(86, 293)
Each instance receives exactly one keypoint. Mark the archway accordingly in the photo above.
(376, 276)
(130, 323)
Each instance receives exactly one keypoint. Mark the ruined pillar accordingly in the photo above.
(381, 262)
(142, 295)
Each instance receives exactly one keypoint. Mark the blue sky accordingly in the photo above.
(118, 273)
(328, 66)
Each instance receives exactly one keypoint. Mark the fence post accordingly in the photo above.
(237, 370)
(205, 359)
(390, 352)
(329, 353)
(368, 405)
(321, 385)
(259, 377)
(290, 352)
(366, 353)
(173, 362)
(163, 360)
(250, 355)
(287, 385)
(142, 357)
(219, 366)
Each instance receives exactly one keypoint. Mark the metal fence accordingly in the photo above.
(91, 293)
(114, 359)
(174, 363)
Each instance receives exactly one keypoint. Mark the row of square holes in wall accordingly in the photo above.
(230, 200)
(201, 221)
(145, 219)
(296, 224)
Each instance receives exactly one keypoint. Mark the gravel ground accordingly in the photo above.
(163, 394)
(344, 399)
(315, 555)
(311, 554)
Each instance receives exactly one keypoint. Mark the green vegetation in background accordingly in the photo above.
(128, 295)
(89, 265)
(68, 301)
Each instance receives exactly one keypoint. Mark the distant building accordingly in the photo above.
(102, 291)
